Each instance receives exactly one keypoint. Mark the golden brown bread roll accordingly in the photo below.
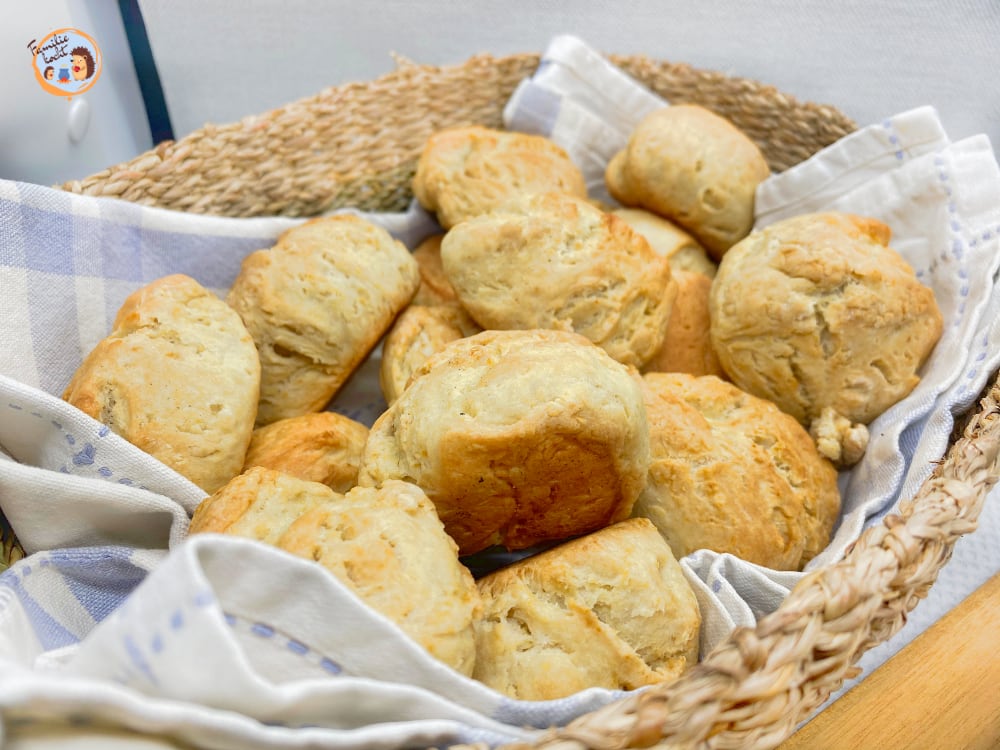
(669, 240)
(316, 303)
(611, 609)
(554, 261)
(322, 447)
(418, 333)
(386, 545)
(687, 344)
(178, 377)
(693, 167)
(258, 504)
(389, 547)
(434, 289)
(817, 312)
(732, 473)
(467, 171)
(518, 437)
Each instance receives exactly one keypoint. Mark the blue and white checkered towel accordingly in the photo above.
(114, 617)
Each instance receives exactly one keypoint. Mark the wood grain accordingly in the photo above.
(941, 691)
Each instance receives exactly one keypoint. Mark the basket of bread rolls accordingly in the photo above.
(578, 395)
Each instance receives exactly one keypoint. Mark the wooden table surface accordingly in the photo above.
(940, 692)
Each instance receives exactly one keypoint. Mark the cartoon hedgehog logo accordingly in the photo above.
(83, 63)
(66, 62)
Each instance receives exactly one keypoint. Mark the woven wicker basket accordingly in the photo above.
(356, 145)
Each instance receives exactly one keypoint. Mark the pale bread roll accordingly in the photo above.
(467, 171)
(258, 504)
(694, 167)
(322, 447)
(316, 303)
(418, 333)
(554, 261)
(669, 240)
(687, 344)
(178, 377)
(732, 473)
(817, 313)
(388, 546)
(518, 437)
(611, 609)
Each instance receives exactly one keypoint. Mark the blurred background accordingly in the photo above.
(172, 66)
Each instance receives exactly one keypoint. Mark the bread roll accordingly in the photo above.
(669, 240)
(178, 377)
(316, 303)
(817, 312)
(732, 473)
(434, 289)
(388, 546)
(518, 437)
(467, 171)
(554, 261)
(687, 344)
(258, 504)
(611, 609)
(694, 167)
(418, 333)
(323, 447)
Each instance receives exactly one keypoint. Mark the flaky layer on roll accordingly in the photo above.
(467, 171)
(316, 303)
(386, 545)
(389, 547)
(258, 504)
(418, 333)
(611, 609)
(178, 377)
(555, 261)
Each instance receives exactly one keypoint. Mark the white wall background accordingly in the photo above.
(222, 60)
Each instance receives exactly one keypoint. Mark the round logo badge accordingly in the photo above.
(67, 62)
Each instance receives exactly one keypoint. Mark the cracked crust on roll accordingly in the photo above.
(818, 312)
(732, 473)
(611, 609)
